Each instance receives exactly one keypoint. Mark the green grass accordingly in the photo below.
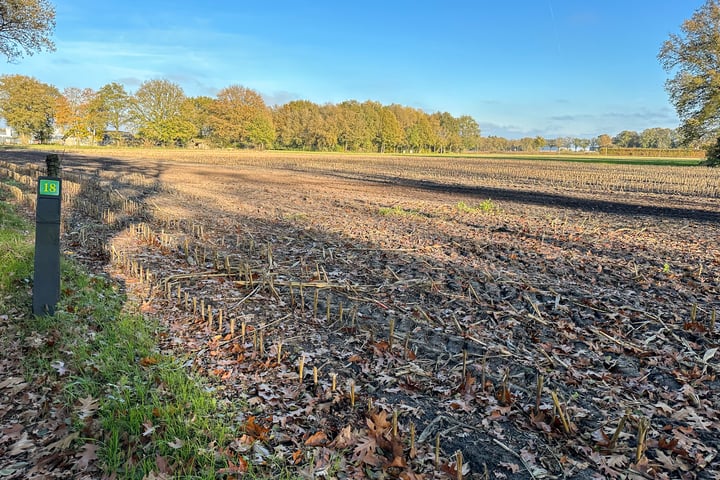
(148, 406)
(486, 206)
(15, 249)
(397, 210)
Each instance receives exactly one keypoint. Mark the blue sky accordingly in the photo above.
(519, 67)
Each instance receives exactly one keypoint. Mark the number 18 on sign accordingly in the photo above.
(49, 187)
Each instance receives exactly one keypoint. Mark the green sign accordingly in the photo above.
(49, 188)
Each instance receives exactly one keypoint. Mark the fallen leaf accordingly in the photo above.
(364, 452)
(255, 430)
(147, 361)
(149, 428)
(21, 445)
(709, 354)
(378, 423)
(147, 308)
(668, 463)
(600, 437)
(86, 455)
(177, 443)
(664, 408)
(344, 439)
(163, 465)
(59, 366)
(317, 439)
(88, 407)
(616, 461)
(237, 469)
(12, 382)
(11, 432)
(398, 462)
(64, 443)
(397, 448)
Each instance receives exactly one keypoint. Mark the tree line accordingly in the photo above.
(650, 138)
(159, 113)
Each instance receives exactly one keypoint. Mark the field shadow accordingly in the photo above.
(615, 207)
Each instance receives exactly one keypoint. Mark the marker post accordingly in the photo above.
(46, 279)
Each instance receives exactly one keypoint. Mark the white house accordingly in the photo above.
(8, 135)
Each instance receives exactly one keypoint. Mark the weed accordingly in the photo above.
(295, 217)
(397, 211)
(486, 206)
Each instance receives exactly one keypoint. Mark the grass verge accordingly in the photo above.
(139, 407)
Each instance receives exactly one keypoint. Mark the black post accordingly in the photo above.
(46, 279)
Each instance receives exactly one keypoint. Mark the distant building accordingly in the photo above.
(8, 135)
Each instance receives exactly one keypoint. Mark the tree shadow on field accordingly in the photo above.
(533, 198)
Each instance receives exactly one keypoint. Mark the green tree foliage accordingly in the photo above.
(469, 132)
(198, 111)
(389, 134)
(353, 132)
(627, 139)
(111, 107)
(420, 135)
(300, 124)
(693, 58)
(379, 129)
(499, 144)
(539, 142)
(657, 138)
(156, 110)
(447, 132)
(406, 117)
(25, 27)
(713, 154)
(28, 106)
(240, 117)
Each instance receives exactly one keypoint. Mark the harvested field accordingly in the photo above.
(543, 319)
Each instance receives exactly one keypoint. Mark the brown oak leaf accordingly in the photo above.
(378, 423)
(317, 439)
(344, 439)
(364, 452)
(87, 454)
